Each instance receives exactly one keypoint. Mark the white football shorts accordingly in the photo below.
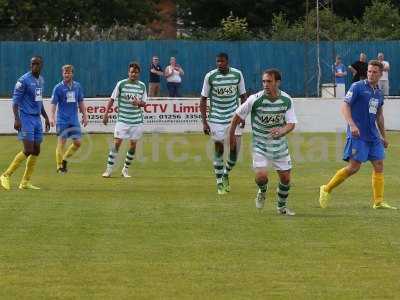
(128, 132)
(219, 132)
(281, 164)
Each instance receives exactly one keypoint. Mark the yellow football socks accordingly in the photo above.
(339, 177)
(59, 154)
(70, 151)
(377, 187)
(30, 166)
(19, 158)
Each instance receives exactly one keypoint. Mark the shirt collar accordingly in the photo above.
(227, 72)
(273, 98)
(70, 86)
(31, 75)
(366, 82)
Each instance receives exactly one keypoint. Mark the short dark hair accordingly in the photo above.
(37, 56)
(134, 65)
(223, 55)
(376, 63)
(274, 72)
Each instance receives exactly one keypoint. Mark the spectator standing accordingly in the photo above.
(173, 74)
(156, 72)
(359, 68)
(383, 83)
(340, 77)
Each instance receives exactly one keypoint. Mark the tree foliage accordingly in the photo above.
(380, 21)
(64, 19)
(60, 20)
(234, 28)
(286, 20)
(258, 13)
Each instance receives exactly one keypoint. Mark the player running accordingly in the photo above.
(131, 96)
(224, 86)
(272, 118)
(67, 96)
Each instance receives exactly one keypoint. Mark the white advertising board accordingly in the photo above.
(183, 115)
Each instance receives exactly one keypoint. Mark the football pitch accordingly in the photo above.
(166, 234)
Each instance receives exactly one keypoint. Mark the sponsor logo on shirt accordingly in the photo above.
(225, 91)
(274, 119)
(38, 94)
(373, 106)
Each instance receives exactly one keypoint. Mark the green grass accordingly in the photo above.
(165, 234)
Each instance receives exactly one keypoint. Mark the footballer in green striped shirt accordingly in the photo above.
(224, 86)
(272, 118)
(130, 95)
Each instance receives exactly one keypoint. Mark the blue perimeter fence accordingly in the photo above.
(99, 65)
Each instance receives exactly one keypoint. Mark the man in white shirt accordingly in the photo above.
(173, 75)
(384, 81)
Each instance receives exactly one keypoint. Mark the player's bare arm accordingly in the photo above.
(380, 121)
(53, 108)
(82, 109)
(46, 119)
(282, 131)
(346, 112)
(17, 120)
(203, 110)
(243, 99)
(108, 106)
(236, 120)
(138, 102)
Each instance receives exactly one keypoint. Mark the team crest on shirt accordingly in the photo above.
(18, 85)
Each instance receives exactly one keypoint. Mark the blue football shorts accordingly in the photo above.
(69, 130)
(31, 128)
(360, 150)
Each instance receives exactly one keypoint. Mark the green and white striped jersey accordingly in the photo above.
(267, 113)
(123, 93)
(224, 91)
